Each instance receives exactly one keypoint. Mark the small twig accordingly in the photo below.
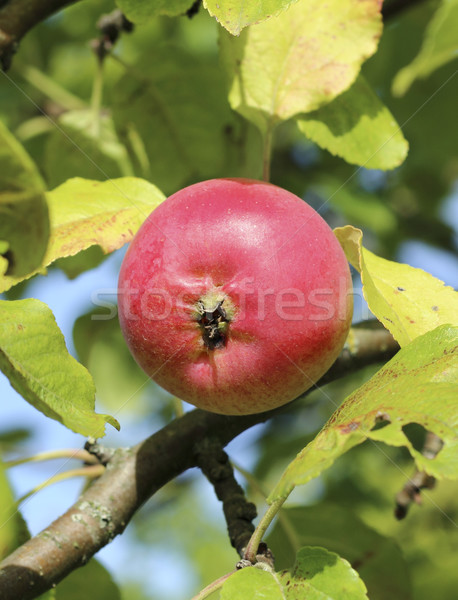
(111, 26)
(77, 454)
(411, 492)
(239, 513)
(102, 454)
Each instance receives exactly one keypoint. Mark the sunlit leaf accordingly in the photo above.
(35, 359)
(378, 559)
(300, 60)
(358, 127)
(84, 213)
(139, 11)
(234, 15)
(419, 385)
(440, 45)
(85, 145)
(24, 223)
(408, 301)
(317, 575)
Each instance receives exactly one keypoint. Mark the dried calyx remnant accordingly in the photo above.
(214, 323)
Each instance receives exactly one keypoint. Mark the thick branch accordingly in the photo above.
(134, 475)
(17, 17)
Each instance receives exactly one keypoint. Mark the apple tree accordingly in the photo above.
(109, 109)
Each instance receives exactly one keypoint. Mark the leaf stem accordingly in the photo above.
(267, 152)
(78, 454)
(284, 521)
(91, 472)
(53, 90)
(256, 538)
(96, 98)
(212, 587)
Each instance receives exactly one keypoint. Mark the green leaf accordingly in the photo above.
(316, 575)
(378, 559)
(91, 581)
(24, 223)
(84, 213)
(361, 208)
(235, 15)
(440, 45)
(419, 385)
(408, 301)
(252, 583)
(101, 347)
(139, 11)
(85, 145)
(12, 527)
(34, 358)
(85, 260)
(358, 127)
(318, 51)
(179, 105)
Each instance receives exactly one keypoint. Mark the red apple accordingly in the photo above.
(235, 296)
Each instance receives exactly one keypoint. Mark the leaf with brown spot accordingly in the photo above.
(419, 385)
(318, 51)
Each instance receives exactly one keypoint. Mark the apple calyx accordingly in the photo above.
(214, 319)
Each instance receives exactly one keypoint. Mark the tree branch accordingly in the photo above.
(239, 513)
(134, 475)
(17, 17)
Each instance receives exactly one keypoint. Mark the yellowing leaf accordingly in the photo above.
(234, 15)
(358, 127)
(35, 359)
(408, 301)
(84, 213)
(295, 62)
(419, 385)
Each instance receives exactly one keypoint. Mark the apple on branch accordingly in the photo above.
(235, 296)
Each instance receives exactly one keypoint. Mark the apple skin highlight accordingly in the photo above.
(235, 296)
